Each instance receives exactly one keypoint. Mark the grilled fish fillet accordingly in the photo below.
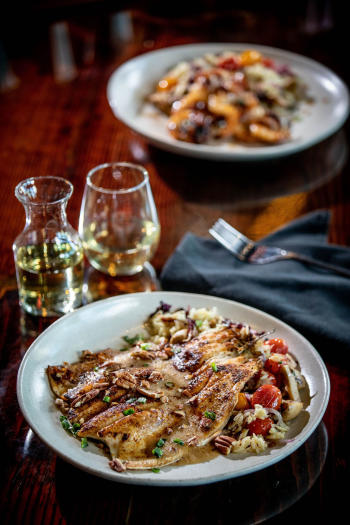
(174, 393)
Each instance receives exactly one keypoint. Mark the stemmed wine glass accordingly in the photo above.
(118, 221)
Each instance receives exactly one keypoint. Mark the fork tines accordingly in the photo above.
(231, 238)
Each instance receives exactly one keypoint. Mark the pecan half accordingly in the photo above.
(124, 379)
(149, 393)
(142, 354)
(81, 400)
(117, 465)
(224, 444)
(155, 377)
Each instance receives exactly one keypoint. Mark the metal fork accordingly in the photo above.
(248, 251)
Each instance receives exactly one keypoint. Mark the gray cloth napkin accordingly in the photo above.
(314, 301)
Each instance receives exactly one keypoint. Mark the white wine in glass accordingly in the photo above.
(118, 222)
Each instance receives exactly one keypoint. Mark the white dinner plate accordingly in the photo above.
(129, 85)
(101, 325)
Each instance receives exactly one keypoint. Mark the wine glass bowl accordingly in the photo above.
(118, 222)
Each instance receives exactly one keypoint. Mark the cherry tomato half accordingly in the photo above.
(273, 366)
(260, 426)
(269, 396)
(268, 62)
(231, 63)
(278, 346)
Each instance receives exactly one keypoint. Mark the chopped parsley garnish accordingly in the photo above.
(145, 364)
(131, 400)
(67, 425)
(75, 428)
(145, 346)
(169, 384)
(84, 442)
(179, 441)
(214, 367)
(124, 349)
(128, 411)
(156, 470)
(96, 368)
(199, 323)
(106, 399)
(132, 340)
(161, 443)
(157, 452)
(210, 415)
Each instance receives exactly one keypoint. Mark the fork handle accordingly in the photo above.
(315, 262)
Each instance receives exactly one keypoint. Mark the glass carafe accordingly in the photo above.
(48, 253)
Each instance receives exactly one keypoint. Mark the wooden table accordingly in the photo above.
(65, 129)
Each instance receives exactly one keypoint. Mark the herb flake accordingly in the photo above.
(210, 415)
(128, 411)
(132, 340)
(157, 452)
(68, 426)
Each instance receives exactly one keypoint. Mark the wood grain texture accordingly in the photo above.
(66, 129)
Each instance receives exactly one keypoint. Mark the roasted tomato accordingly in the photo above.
(278, 346)
(242, 402)
(230, 63)
(250, 57)
(269, 396)
(260, 426)
(268, 62)
(273, 364)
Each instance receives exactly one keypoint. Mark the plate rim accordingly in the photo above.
(200, 480)
(210, 152)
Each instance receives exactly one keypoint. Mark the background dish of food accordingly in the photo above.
(103, 324)
(241, 98)
(131, 83)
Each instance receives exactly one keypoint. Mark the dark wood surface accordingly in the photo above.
(47, 127)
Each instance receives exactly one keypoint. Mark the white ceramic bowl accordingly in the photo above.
(101, 325)
(134, 80)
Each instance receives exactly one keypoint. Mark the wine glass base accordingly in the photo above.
(98, 285)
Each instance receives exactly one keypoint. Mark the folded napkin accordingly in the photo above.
(314, 301)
